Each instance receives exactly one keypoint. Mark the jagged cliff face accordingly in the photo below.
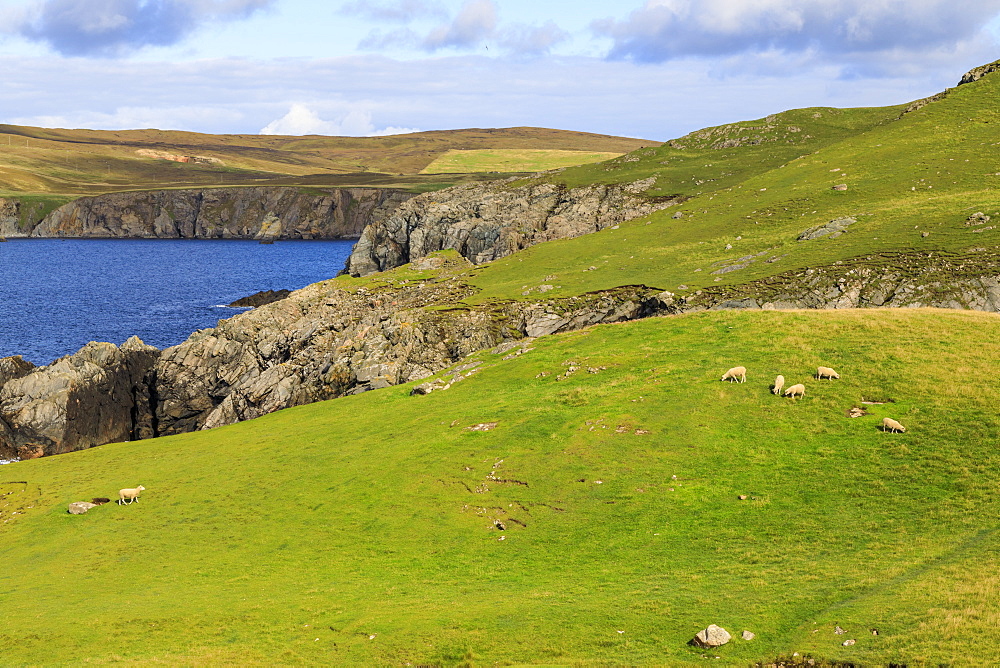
(484, 222)
(219, 213)
(99, 395)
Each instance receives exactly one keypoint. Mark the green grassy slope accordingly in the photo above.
(923, 172)
(87, 162)
(361, 531)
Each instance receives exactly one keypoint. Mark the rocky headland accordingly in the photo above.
(267, 213)
(345, 336)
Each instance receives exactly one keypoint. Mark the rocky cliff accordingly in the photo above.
(486, 221)
(98, 395)
(324, 341)
(216, 213)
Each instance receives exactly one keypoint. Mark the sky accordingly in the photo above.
(654, 69)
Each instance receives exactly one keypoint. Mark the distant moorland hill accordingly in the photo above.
(87, 162)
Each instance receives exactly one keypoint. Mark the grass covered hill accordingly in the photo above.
(331, 534)
(910, 185)
(39, 161)
(367, 530)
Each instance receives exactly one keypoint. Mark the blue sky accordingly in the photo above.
(648, 68)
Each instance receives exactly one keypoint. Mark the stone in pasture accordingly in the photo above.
(713, 636)
(80, 507)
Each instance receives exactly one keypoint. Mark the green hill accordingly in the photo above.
(332, 533)
(913, 181)
(364, 530)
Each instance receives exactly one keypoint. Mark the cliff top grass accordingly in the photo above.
(363, 531)
(908, 181)
(72, 163)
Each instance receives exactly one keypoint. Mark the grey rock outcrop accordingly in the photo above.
(833, 229)
(98, 395)
(888, 280)
(486, 221)
(978, 73)
(12, 368)
(216, 213)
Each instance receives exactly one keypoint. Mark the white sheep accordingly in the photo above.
(778, 383)
(796, 390)
(826, 372)
(736, 372)
(888, 424)
(130, 494)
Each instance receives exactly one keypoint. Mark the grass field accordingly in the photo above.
(511, 160)
(332, 534)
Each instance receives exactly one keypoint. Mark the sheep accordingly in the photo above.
(778, 383)
(826, 372)
(888, 424)
(736, 372)
(130, 494)
(796, 390)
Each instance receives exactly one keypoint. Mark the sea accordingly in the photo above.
(58, 294)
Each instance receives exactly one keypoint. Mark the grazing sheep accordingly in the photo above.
(798, 390)
(736, 372)
(888, 424)
(826, 372)
(130, 494)
(778, 383)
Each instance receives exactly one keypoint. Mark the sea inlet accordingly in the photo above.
(58, 294)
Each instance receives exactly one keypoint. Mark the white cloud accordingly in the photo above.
(115, 27)
(475, 22)
(663, 30)
(301, 120)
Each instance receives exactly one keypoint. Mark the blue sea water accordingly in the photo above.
(58, 294)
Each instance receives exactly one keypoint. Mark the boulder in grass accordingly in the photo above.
(713, 636)
(80, 507)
